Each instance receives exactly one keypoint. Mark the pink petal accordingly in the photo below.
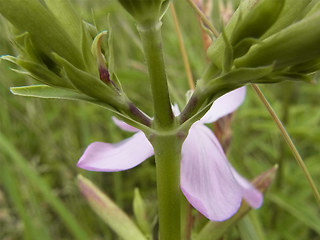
(106, 157)
(124, 126)
(206, 177)
(249, 193)
(225, 105)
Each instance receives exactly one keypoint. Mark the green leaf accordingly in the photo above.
(140, 213)
(44, 91)
(45, 30)
(108, 211)
(246, 229)
(67, 17)
(42, 74)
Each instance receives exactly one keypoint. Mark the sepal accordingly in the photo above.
(293, 45)
(145, 11)
(89, 84)
(46, 31)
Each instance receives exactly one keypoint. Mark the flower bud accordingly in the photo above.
(293, 45)
(144, 11)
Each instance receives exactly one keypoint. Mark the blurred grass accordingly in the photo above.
(45, 138)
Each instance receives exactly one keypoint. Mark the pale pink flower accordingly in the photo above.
(208, 181)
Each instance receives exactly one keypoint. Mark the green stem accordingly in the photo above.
(166, 143)
(167, 154)
(150, 34)
(289, 141)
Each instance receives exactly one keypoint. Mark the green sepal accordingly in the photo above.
(207, 91)
(293, 45)
(90, 85)
(104, 66)
(108, 211)
(46, 32)
(67, 17)
(217, 49)
(292, 12)
(140, 213)
(228, 52)
(257, 21)
(243, 46)
(314, 9)
(96, 48)
(290, 76)
(110, 56)
(86, 41)
(307, 67)
(29, 51)
(236, 78)
(145, 11)
(164, 8)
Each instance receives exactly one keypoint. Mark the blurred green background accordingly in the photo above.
(42, 140)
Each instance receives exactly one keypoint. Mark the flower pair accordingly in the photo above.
(208, 181)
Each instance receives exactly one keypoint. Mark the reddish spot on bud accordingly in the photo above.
(104, 74)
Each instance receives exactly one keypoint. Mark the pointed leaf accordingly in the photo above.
(247, 229)
(44, 91)
(43, 74)
(108, 211)
(45, 30)
(90, 85)
(140, 213)
(67, 17)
